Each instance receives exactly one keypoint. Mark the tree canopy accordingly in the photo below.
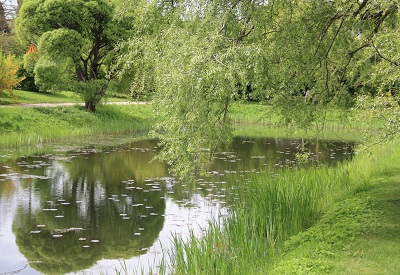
(302, 56)
(75, 40)
(197, 57)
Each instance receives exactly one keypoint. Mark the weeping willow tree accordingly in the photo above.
(302, 56)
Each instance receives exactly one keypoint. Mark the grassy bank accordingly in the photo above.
(24, 126)
(343, 205)
(22, 97)
(357, 235)
(265, 120)
(328, 220)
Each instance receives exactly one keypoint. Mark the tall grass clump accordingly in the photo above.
(270, 209)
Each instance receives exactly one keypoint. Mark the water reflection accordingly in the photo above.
(74, 209)
(78, 209)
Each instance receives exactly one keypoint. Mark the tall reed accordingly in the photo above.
(269, 211)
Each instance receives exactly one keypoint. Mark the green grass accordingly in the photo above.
(24, 126)
(19, 97)
(22, 97)
(319, 221)
(263, 120)
(270, 210)
(358, 235)
(340, 220)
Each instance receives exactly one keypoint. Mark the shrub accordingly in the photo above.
(8, 74)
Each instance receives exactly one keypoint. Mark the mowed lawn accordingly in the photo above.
(23, 97)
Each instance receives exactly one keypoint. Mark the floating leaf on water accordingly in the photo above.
(76, 229)
(57, 236)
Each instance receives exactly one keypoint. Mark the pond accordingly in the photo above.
(98, 209)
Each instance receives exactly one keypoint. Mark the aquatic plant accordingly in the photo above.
(272, 208)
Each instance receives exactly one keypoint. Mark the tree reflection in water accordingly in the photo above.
(100, 205)
(77, 208)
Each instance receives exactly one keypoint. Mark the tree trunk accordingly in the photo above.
(90, 105)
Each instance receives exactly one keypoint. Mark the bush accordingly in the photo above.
(9, 78)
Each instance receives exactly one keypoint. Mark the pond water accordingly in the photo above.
(98, 209)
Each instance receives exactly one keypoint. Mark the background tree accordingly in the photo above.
(8, 73)
(4, 28)
(76, 41)
(8, 41)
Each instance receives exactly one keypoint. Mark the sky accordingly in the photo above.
(9, 4)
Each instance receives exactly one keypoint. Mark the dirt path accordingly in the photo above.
(33, 105)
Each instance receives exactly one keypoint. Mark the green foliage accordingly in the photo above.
(339, 207)
(30, 60)
(383, 112)
(302, 56)
(76, 42)
(61, 43)
(8, 75)
(269, 210)
(49, 75)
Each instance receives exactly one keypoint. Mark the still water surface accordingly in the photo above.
(96, 209)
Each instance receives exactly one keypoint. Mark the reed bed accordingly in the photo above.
(272, 208)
